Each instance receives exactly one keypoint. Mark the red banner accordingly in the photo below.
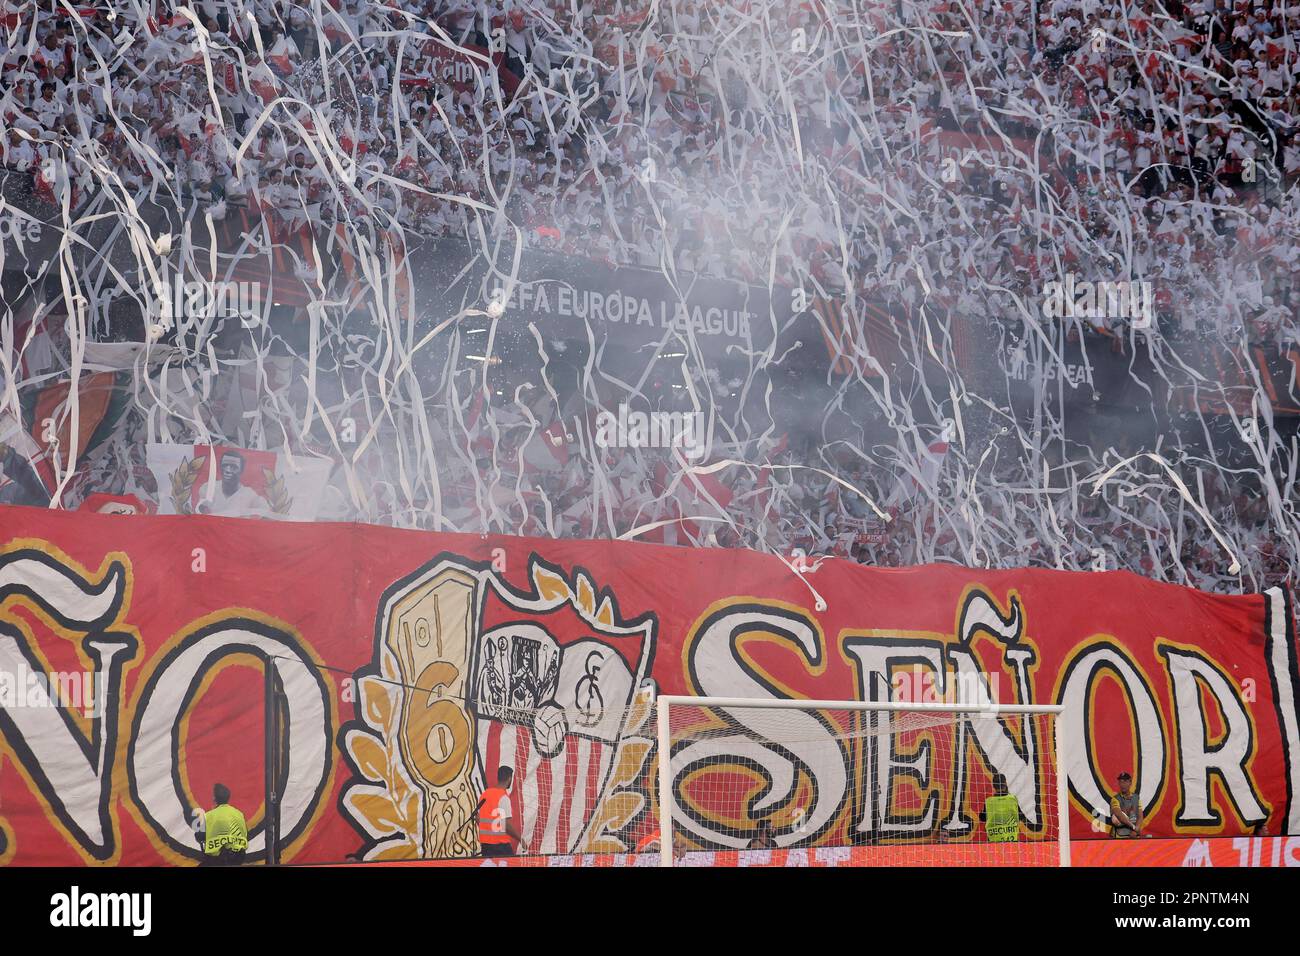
(961, 152)
(412, 661)
(458, 68)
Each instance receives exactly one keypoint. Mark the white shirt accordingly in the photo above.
(244, 501)
(49, 111)
(20, 157)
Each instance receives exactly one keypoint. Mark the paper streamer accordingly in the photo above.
(946, 165)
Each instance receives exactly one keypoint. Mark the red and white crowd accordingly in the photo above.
(794, 142)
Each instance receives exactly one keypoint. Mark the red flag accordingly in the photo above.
(116, 504)
(264, 90)
(279, 56)
(45, 189)
(407, 159)
(710, 485)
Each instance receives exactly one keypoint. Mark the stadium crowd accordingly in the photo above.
(1173, 133)
(1147, 142)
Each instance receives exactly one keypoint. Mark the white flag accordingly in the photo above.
(237, 482)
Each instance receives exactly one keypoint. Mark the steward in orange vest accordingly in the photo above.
(495, 828)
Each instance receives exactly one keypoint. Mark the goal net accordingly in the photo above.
(453, 781)
(789, 782)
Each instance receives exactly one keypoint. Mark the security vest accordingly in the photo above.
(224, 826)
(491, 823)
(1002, 819)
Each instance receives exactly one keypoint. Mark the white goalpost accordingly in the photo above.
(869, 783)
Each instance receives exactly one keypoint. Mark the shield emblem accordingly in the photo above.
(553, 692)
(471, 674)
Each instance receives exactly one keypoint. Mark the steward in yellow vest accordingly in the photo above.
(1001, 814)
(224, 834)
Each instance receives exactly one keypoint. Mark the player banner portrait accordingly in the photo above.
(411, 666)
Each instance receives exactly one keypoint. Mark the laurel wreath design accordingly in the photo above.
(183, 479)
(388, 804)
(277, 493)
(624, 800)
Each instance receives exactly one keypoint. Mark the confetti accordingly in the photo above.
(995, 283)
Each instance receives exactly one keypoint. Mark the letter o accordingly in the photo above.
(170, 689)
(1081, 673)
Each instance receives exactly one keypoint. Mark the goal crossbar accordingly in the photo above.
(798, 703)
(665, 702)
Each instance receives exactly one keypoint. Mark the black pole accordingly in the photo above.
(271, 824)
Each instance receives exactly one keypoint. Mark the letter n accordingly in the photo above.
(71, 771)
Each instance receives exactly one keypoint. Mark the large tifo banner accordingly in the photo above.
(133, 650)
